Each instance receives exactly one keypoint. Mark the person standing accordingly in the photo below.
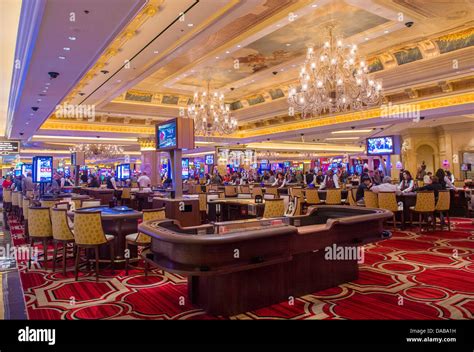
(144, 181)
(27, 184)
(110, 181)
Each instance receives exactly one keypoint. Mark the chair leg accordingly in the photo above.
(45, 251)
(96, 264)
(64, 257)
(402, 219)
(394, 221)
(434, 221)
(31, 251)
(127, 258)
(76, 267)
(146, 268)
(55, 254)
(449, 221)
(419, 222)
(112, 255)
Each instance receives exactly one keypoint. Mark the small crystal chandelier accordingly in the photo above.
(99, 151)
(211, 115)
(333, 80)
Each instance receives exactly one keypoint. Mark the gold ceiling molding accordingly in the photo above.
(146, 144)
(125, 35)
(467, 98)
(457, 36)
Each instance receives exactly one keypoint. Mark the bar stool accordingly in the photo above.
(274, 208)
(256, 191)
(388, 201)
(140, 239)
(230, 191)
(442, 206)
(26, 205)
(202, 205)
(39, 228)
(351, 197)
(90, 203)
(333, 197)
(61, 234)
(126, 196)
(371, 199)
(272, 190)
(424, 206)
(88, 233)
(7, 199)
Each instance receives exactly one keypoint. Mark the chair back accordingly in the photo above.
(351, 196)
(388, 201)
(274, 208)
(90, 203)
(7, 195)
(294, 207)
(333, 196)
(88, 228)
(30, 194)
(312, 196)
(425, 202)
(244, 189)
(444, 201)
(371, 199)
(26, 205)
(202, 201)
(60, 226)
(149, 215)
(126, 193)
(62, 205)
(134, 185)
(20, 200)
(15, 198)
(296, 192)
(39, 222)
(48, 203)
(256, 191)
(230, 191)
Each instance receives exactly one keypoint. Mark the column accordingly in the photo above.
(150, 160)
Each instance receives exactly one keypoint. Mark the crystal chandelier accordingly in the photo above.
(99, 151)
(211, 115)
(332, 80)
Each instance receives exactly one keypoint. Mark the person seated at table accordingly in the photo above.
(84, 177)
(319, 178)
(94, 181)
(386, 186)
(407, 185)
(449, 180)
(280, 181)
(271, 178)
(441, 175)
(208, 180)
(299, 177)
(435, 186)
(377, 178)
(216, 179)
(330, 181)
(168, 183)
(365, 185)
(427, 178)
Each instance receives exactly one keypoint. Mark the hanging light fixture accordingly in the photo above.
(211, 115)
(99, 151)
(333, 80)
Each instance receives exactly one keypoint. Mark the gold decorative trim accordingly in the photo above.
(92, 127)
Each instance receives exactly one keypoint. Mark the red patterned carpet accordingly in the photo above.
(409, 276)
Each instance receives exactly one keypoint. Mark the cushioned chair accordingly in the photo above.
(459, 184)
(140, 239)
(274, 208)
(388, 201)
(230, 191)
(15, 202)
(62, 205)
(371, 199)
(424, 207)
(20, 206)
(256, 191)
(296, 192)
(48, 203)
(244, 189)
(352, 196)
(273, 190)
(7, 199)
(126, 196)
(90, 203)
(88, 233)
(442, 207)
(312, 196)
(39, 228)
(134, 185)
(333, 197)
(203, 206)
(295, 207)
(26, 205)
(62, 234)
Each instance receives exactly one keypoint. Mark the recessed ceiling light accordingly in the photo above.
(314, 5)
(282, 70)
(45, 91)
(217, 57)
(366, 38)
(227, 52)
(31, 114)
(288, 44)
(62, 57)
(385, 31)
(341, 138)
(190, 24)
(66, 48)
(72, 38)
(156, 52)
(47, 84)
(38, 100)
(119, 80)
(278, 25)
(239, 46)
(351, 131)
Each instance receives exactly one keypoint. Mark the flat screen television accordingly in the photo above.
(380, 145)
(43, 169)
(125, 172)
(118, 172)
(25, 168)
(209, 159)
(185, 167)
(167, 135)
(17, 172)
(286, 164)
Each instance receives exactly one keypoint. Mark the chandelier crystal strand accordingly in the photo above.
(99, 151)
(333, 80)
(211, 115)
